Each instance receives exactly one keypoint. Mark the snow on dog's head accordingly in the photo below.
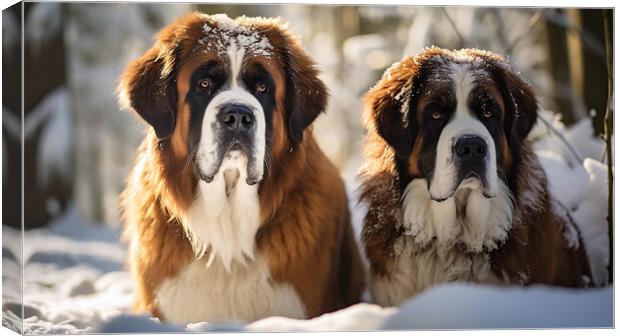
(453, 118)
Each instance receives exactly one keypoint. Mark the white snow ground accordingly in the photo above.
(75, 280)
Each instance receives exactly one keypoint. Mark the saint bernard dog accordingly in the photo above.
(231, 210)
(453, 188)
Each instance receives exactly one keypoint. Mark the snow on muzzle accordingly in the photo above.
(465, 158)
(233, 138)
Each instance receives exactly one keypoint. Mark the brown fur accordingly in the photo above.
(535, 246)
(305, 232)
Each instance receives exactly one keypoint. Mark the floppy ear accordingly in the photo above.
(388, 106)
(306, 94)
(148, 88)
(521, 104)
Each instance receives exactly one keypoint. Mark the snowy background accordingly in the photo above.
(80, 147)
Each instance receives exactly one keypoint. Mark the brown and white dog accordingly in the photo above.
(232, 210)
(454, 190)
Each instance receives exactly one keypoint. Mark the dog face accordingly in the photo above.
(454, 118)
(231, 98)
(226, 94)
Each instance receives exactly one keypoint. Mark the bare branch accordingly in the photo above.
(534, 19)
(462, 41)
(562, 138)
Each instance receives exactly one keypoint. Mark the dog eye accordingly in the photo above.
(204, 84)
(436, 115)
(261, 87)
(487, 114)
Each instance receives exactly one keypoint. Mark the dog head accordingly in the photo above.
(225, 94)
(455, 118)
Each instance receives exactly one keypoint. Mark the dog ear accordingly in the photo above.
(521, 104)
(388, 105)
(147, 86)
(306, 94)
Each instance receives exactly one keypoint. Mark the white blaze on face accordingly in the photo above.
(233, 93)
(225, 216)
(235, 55)
(444, 180)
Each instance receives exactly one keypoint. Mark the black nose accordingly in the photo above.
(237, 117)
(470, 147)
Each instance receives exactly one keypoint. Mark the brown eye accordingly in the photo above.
(487, 114)
(261, 87)
(204, 84)
(436, 115)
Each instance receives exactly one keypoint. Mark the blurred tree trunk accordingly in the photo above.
(608, 134)
(345, 24)
(47, 182)
(11, 117)
(560, 73)
(594, 65)
(575, 57)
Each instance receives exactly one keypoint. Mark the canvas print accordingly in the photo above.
(173, 167)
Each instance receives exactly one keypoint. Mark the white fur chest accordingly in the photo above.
(444, 241)
(225, 216)
(213, 294)
(415, 270)
(228, 280)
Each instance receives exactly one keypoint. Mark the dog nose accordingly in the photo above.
(237, 117)
(470, 147)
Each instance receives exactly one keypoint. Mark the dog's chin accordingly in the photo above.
(231, 163)
(470, 182)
